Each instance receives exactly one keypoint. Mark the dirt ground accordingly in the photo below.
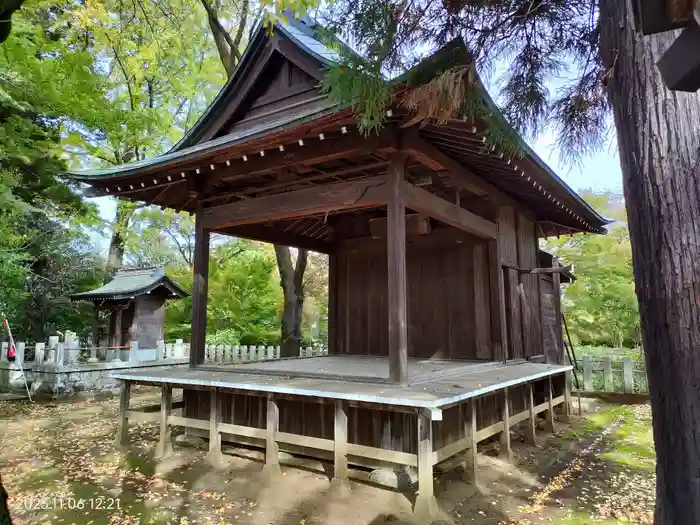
(59, 467)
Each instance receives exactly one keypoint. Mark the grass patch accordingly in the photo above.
(632, 445)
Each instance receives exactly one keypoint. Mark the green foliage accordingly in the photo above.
(601, 305)
(243, 296)
(532, 44)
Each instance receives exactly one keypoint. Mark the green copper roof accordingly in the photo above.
(130, 283)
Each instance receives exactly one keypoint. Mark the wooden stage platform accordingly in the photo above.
(431, 384)
(307, 406)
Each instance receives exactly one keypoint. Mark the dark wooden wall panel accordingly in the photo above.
(448, 299)
(380, 427)
(551, 325)
(529, 291)
(149, 320)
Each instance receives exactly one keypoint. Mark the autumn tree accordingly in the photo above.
(603, 67)
(291, 269)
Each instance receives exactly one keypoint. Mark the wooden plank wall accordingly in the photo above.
(149, 320)
(518, 246)
(550, 324)
(381, 428)
(448, 299)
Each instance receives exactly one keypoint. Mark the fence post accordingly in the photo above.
(607, 374)
(236, 356)
(93, 350)
(244, 353)
(270, 352)
(627, 375)
(587, 374)
(59, 356)
(19, 356)
(39, 352)
(3, 351)
(160, 350)
(134, 352)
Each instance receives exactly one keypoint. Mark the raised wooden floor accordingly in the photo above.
(434, 384)
(446, 409)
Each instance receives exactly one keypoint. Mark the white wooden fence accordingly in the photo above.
(222, 354)
(612, 374)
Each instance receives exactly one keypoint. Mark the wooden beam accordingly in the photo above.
(434, 158)
(363, 193)
(165, 446)
(426, 505)
(200, 287)
(396, 260)
(265, 233)
(214, 455)
(122, 437)
(321, 151)
(506, 451)
(499, 328)
(680, 64)
(425, 202)
(470, 431)
(540, 271)
(530, 436)
(340, 484)
(272, 464)
(550, 406)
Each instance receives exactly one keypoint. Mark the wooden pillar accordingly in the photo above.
(426, 505)
(122, 437)
(272, 464)
(506, 451)
(559, 333)
(340, 484)
(117, 329)
(566, 413)
(396, 259)
(550, 400)
(499, 335)
(214, 455)
(531, 423)
(470, 431)
(199, 290)
(165, 446)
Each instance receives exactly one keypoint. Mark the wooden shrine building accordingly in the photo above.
(133, 303)
(435, 301)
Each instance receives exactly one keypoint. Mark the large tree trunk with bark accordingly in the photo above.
(292, 282)
(659, 142)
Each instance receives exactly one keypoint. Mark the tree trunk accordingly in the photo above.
(117, 243)
(659, 148)
(292, 282)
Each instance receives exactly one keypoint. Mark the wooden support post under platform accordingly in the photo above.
(530, 437)
(122, 437)
(340, 485)
(550, 410)
(506, 451)
(272, 462)
(199, 291)
(214, 455)
(396, 260)
(566, 412)
(165, 446)
(426, 505)
(472, 452)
